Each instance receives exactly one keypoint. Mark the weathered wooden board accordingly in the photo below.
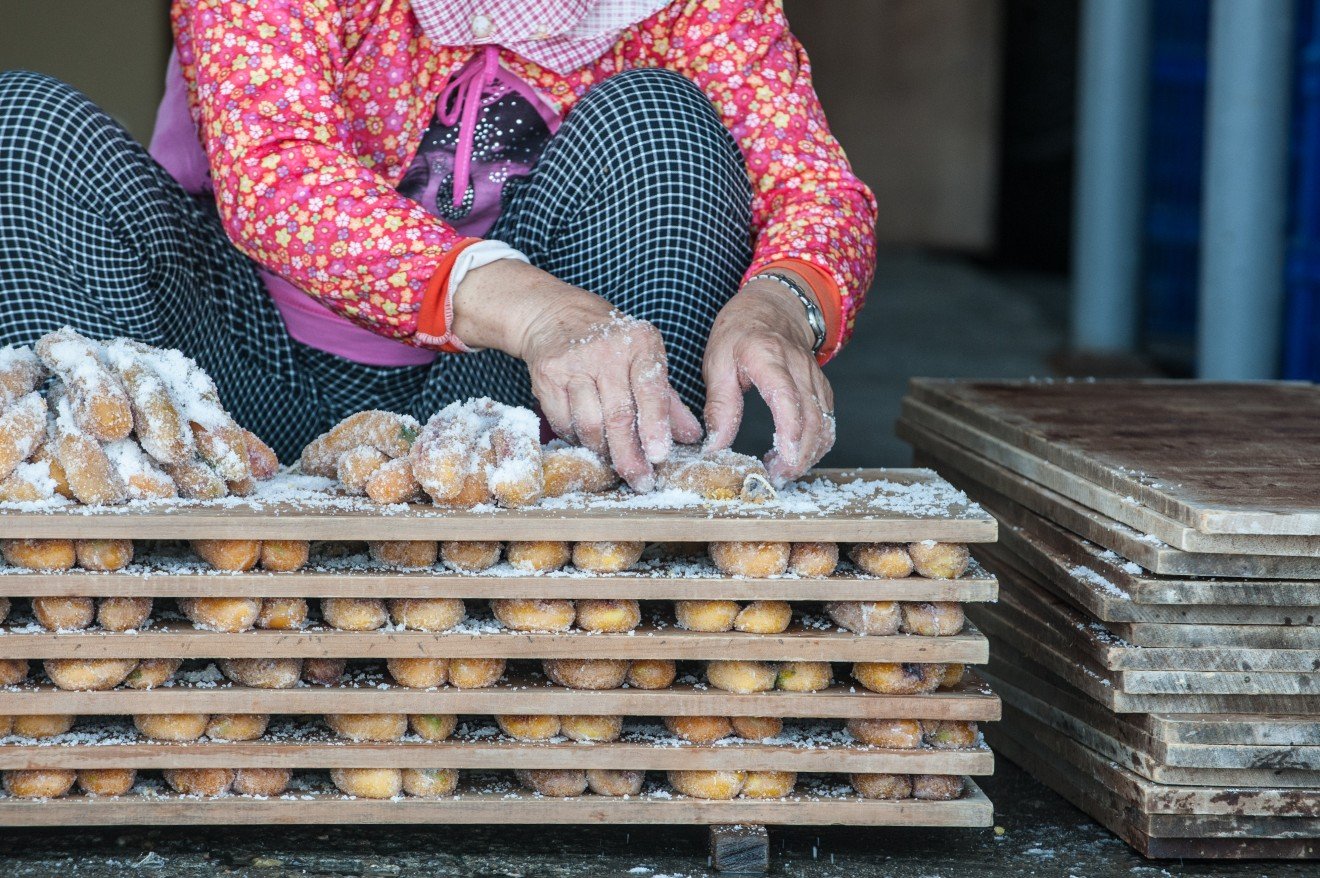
(325, 751)
(1119, 506)
(970, 701)
(503, 807)
(667, 582)
(798, 643)
(906, 505)
(1184, 449)
(1121, 591)
(740, 848)
(1272, 730)
(984, 480)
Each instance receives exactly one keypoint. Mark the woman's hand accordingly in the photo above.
(761, 339)
(601, 377)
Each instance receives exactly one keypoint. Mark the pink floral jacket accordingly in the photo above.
(311, 110)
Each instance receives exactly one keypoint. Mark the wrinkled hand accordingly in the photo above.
(601, 377)
(761, 339)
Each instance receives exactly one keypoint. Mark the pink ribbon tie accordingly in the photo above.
(466, 92)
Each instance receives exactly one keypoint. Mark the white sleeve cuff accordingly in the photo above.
(475, 256)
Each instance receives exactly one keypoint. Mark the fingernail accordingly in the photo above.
(657, 450)
(644, 484)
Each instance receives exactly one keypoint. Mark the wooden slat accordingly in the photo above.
(147, 581)
(912, 517)
(1184, 449)
(325, 752)
(1249, 729)
(982, 479)
(971, 701)
(181, 640)
(973, 809)
(1119, 506)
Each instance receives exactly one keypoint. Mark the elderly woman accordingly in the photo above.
(619, 210)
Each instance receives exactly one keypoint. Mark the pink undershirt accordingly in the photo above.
(175, 144)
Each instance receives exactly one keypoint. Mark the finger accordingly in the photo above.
(585, 415)
(625, 445)
(825, 400)
(650, 391)
(724, 401)
(558, 412)
(781, 394)
(686, 427)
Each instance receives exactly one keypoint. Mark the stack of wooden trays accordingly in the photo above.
(895, 506)
(1157, 637)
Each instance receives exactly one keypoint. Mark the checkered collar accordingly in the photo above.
(562, 35)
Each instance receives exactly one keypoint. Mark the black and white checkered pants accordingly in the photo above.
(642, 197)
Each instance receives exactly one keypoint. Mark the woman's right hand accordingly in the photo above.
(600, 376)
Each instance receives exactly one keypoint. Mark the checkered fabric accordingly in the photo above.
(641, 197)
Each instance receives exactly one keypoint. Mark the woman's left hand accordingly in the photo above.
(761, 339)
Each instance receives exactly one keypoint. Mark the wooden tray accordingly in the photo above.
(984, 480)
(920, 506)
(798, 643)
(973, 700)
(1183, 449)
(325, 807)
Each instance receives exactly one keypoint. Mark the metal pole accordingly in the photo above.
(1111, 147)
(1246, 186)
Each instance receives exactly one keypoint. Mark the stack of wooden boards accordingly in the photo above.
(922, 508)
(1157, 637)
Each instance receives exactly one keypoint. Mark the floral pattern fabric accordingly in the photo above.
(311, 112)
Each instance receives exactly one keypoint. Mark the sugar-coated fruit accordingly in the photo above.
(572, 469)
(950, 734)
(354, 614)
(394, 483)
(323, 671)
(357, 465)
(282, 614)
(404, 554)
(866, 617)
(892, 678)
(609, 556)
(264, 673)
(558, 782)
(652, 673)
(882, 786)
(741, 676)
(64, 614)
(6, 726)
(538, 556)
(804, 676)
(42, 725)
(615, 782)
(750, 558)
(230, 615)
(427, 614)
(587, 673)
(13, 671)
(419, 673)
(529, 727)
(937, 787)
(237, 726)
(475, 673)
(123, 614)
(284, 556)
(261, 781)
(768, 784)
(151, 673)
(103, 555)
(886, 560)
(699, 729)
(764, 617)
(939, 560)
(591, 728)
(813, 559)
(712, 615)
(368, 783)
(953, 675)
(106, 781)
(234, 555)
(88, 675)
(368, 726)
(470, 556)
(39, 783)
(757, 728)
(534, 614)
(933, 619)
(894, 734)
(615, 615)
(48, 555)
(430, 782)
(433, 726)
(708, 784)
(171, 726)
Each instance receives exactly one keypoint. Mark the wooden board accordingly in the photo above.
(798, 643)
(926, 508)
(740, 848)
(970, 701)
(326, 807)
(1184, 449)
(1121, 507)
(982, 479)
(667, 582)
